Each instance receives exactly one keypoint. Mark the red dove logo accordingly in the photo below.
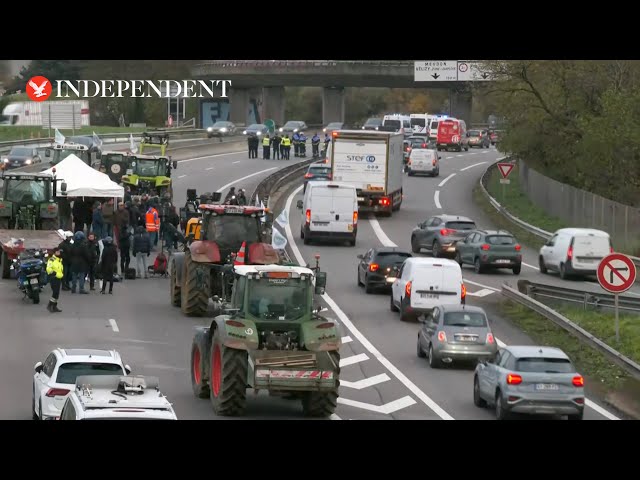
(39, 88)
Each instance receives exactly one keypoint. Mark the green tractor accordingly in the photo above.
(115, 164)
(28, 202)
(159, 139)
(148, 174)
(270, 337)
(56, 153)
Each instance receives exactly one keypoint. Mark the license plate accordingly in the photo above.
(322, 224)
(429, 295)
(360, 199)
(391, 279)
(546, 386)
(464, 338)
(503, 261)
(33, 281)
(233, 210)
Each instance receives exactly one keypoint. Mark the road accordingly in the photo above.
(381, 376)
(386, 379)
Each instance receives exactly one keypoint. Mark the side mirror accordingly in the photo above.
(127, 369)
(321, 283)
(216, 196)
(63, 187)
(360, 256)
(299, 205)
(37, 367)
(175, 164)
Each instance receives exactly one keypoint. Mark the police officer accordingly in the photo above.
(275, 143)
(286, 145)
(266, 147)
(315, 144)
(302, 149)
(55, 270)
(296, 144)
(327, 141)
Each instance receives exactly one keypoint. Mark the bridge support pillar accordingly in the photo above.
(332, 104)
(239, 106)
(461, 105)
(273, 104)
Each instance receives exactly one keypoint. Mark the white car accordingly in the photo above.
(56, 377)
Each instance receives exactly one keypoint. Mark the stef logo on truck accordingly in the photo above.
(361, 158)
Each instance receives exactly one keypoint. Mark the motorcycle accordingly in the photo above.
(31, 274)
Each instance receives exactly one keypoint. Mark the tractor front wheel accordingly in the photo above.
(199, 383)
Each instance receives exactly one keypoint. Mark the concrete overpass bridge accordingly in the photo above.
(262, 82)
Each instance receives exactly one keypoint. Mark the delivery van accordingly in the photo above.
(329, 212)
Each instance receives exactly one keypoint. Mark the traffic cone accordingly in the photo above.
(240, 259)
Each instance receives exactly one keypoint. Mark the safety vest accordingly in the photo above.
(54, 265)
(286, 141)
(152, 221)
(265, 142)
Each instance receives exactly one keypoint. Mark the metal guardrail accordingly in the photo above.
(303, 63)
(521, 223)
(272, 182)
(586, 299)
(576, 330)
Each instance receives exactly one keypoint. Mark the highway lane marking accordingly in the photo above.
(480, 285)
(182, 176)
(387, 408)
(402, 378)
(237, 161)
(384, 239)
(471, 166)
(436, 199)
(441, 184)
(146, 342)
(210, 168)
(473, 153)
(365, 382)
(346, 361)
(481, 293)
(165, 367)
(460, 155)
(244, 178)
(334, 417)
(215, 155)
(447, 158)
(114, 325)
(347, 339)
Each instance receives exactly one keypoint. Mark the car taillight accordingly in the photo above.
(374, 267)
(442, 337)
(514, 379)
(446, 232)
(518, 248)
(578, 381)
(485, 247)
(570, 252)
(463, 292)
(308, 215)
(490, 338)
(433, 162)
(407, 289)
(308, 175)
(57, 392)
(385, 201)
(355, 217)
(330, 176)
(424, 145)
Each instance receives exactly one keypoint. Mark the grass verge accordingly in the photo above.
(8, 133)
(603, 378)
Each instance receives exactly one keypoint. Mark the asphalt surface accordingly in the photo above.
(381, 376)
(388, 379)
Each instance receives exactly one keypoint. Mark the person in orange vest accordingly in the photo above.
(152, 222)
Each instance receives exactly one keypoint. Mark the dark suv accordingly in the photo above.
(375, 269)
(439, 234)
(490, 249)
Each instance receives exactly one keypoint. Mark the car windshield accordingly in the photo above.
(21, 151)
(82, 141)
(292, 124)
(334, 125)
(474, 133)
(434, 125)
(373, 122)
(460, 225)
(418, 143)
(278, 297)
(320, 170)
(545, 365)
(221, 125)
(25, 192)
(68, 372)
(465, 319)
(500, 240)
(255, 126)
(61, 154)
(392, 257)
(148, 168)
(418, 121)
(229, 231)
(393, 123)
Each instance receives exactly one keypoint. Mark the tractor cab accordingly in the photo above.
(56, 153)
(115, 164)
(158, 139)
(149, 174)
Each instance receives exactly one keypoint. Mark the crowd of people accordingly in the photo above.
(281, 145)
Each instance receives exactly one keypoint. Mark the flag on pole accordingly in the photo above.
(263, 219)
(278, 241)
(59, 138)
(257, 202)
(283, 218)
(96, 140)
(132, 144)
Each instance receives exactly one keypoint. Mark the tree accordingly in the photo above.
(52, 69)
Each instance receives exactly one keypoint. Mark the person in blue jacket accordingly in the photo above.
(303, 145)
(296, 144)
(315, 144)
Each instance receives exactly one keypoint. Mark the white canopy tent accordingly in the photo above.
(84, 181)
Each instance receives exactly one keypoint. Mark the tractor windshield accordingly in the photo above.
(276, 298)
(229, 231)
(61, 154)
(149, 168)
(26, 192)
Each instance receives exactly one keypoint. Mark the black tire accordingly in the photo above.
(194, 300)
(229, 385)
(477, 266)
(563, 272)
(306, 240)
(501, 412)
(405, 317)
(392, 306)
(434, 362)
(174, 288)
(367, 288)
(301, 234)
(49, 224)
(517, 269)
(199, 381)
(322, 404)
(435, 249)
(577, 416)
(458, 258)
(437, 174)
(541, 265)
(478, 401)
(35, 297)
(415, 248)
(6, 271)
(420, 351)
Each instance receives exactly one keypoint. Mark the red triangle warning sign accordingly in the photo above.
(505, 169)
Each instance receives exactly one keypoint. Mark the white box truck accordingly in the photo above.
(372, 162)
(55, 113)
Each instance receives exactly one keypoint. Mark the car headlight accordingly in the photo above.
(258, 133)
(376, 128)
(5, 160)
(28, 162)
(209, 129)
(281, 129)
(223, 129)
(324, 130)
(244, 132)
(295, 130)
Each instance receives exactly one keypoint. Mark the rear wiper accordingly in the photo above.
(457, 325)
(551, 371)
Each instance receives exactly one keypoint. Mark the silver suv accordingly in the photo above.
(440, 233)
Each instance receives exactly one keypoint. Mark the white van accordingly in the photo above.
(574, 251)
(420, 123)
(423, 283)
(400, 123)
(433, 126)
(329, 212)
(423, 161)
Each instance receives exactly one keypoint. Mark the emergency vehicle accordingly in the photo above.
(420, 123)
(450, 134)
(400, 123)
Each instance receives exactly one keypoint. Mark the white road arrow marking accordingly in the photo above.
(386, 409)
(481, 293)
(345, 362)
(347, 339)
(365, 382)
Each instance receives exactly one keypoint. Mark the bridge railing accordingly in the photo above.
(302, 63)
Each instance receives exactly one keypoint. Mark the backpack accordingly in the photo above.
(160, 265)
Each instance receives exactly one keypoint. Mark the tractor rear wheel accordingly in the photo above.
(323, 404)
(174, 287)
(228, 379)
(199, 383)
(195, 299)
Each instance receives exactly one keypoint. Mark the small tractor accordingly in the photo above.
(270, 337)
(148, 174)
(158, 139)
(205, 269)
(115, 164)
(56, 153)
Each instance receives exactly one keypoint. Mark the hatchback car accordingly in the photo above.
(221, 129)
(20, 157)
(455, 333)
(256, 130)
(372, 124)
(333, 126)
(317, 171)
(56, 377)
(530, 380)
(440, 233)
(376, 267)
(477, 138)
(293, 126)
(490, 249)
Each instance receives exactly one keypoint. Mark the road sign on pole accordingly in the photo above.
(616, 274)
(436, 71)
(505, 169)
(472, 72)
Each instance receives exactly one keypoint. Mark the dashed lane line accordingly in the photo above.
(441, 184)
(114, 325)
(346, 361)
(386, 409)
(471, 166)
(346, 339)
(237, 161)
(401, 377)
(224, 187)
(436, 199)
(181, 176)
